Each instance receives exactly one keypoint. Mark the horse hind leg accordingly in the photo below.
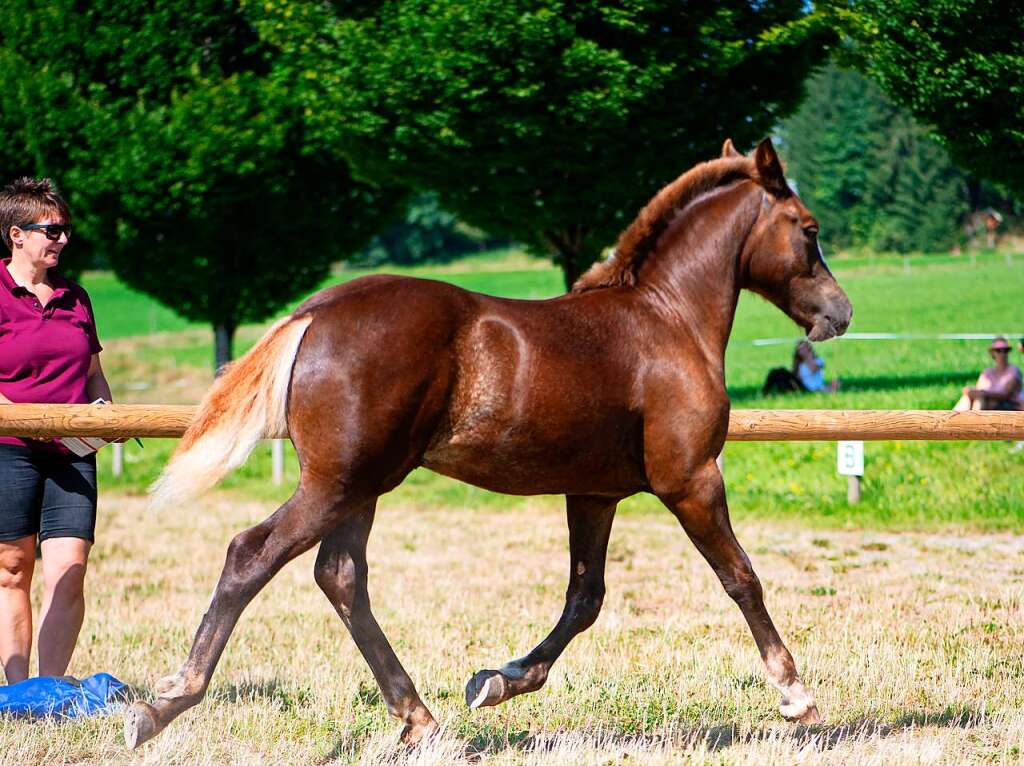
(590, 525)
(341, 573)
(253, 558)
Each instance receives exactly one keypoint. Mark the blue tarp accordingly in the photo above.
(65, 696)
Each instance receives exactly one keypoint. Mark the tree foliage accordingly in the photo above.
(40, 136)
(191, 162)
(544, 121)
(957, 65)
(427, 234)
(871, 174)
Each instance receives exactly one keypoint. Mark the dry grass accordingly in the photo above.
(912, 643)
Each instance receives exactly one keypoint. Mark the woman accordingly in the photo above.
(807, 373)
(809, 369)
(998, 387)
(49, 352)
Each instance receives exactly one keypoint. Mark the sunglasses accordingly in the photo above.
(51, 230)
(1001, 351)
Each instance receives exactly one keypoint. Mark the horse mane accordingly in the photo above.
(639, 239)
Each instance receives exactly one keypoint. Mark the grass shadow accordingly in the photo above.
(271, 691)
(860, 383)
(719, 737)
(830, 736)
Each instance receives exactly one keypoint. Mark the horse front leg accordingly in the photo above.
(253, 558)
(703, 513)
(590, 524)
(341, 573)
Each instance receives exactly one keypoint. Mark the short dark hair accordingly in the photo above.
(25, 200)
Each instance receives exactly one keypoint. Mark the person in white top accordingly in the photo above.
(998, 387)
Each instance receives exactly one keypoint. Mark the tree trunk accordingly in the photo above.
(570, 255)
(223, 345)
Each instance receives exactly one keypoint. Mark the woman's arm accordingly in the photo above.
(96, 386)
(1004, 387)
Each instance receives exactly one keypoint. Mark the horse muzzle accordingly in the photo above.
(832, 321)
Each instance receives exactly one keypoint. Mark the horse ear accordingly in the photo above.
(728, 150)
(769, 168)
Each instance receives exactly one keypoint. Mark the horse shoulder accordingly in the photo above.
(686, 419)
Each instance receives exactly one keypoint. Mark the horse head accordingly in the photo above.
(782, 260)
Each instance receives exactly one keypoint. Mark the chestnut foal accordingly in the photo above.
(615, 388)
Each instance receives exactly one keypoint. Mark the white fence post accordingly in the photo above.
(277, 461)
(117, 459)
(853, 489)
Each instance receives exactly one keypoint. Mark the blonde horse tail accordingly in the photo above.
(248, 402)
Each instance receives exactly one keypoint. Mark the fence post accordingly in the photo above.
(277, 461)
(117, 459)
(853, 489)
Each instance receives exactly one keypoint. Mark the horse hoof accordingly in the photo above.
(140, 724)
(416, 734)
(808, 715)
(811, 717)
(486, 688)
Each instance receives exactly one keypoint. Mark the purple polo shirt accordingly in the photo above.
(45, 351)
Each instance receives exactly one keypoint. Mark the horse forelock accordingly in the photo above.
(640, 238)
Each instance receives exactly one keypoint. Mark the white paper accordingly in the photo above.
(85, 445)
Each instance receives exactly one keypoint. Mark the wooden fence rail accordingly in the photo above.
(113, 420)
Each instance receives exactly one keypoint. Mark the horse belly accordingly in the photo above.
(520, 461)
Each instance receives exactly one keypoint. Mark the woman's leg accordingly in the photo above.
(64, 564)
(22, 484)
(66, 528)
(17, 560)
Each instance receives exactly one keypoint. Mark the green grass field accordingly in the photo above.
(907, 485)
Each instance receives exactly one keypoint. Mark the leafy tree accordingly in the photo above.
(871, 174)
(40, 116)
(194, 166)
(957, 65)
(544, 121)
(427, 234)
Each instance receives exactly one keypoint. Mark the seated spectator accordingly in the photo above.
(807, 373)
(998, 387)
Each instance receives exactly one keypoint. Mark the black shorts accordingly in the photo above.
(46, 494)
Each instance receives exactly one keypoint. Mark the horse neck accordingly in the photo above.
(693, 275)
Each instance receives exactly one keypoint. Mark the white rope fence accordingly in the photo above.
(885, 336)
